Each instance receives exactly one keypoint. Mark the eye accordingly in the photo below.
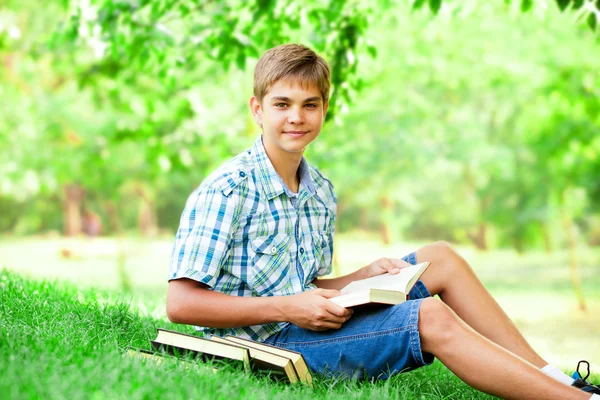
(280, 105)
(312, 105)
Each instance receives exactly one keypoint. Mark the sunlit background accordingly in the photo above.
(478, 125)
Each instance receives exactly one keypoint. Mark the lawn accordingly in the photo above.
(69, 308)
(57, 341)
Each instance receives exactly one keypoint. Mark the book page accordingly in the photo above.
(398, 282)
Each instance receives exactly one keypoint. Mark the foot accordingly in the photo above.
(581, 383)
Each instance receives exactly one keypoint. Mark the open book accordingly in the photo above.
(385, 289)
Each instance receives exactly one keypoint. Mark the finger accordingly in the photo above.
(399, 263)
(388, 266)
(324, 326)
(337, 310)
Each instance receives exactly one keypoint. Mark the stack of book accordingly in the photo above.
(252, 356)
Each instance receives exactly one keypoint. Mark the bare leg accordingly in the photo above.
(481, 363)
(451, 277)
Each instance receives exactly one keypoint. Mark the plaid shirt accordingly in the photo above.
(244, 233)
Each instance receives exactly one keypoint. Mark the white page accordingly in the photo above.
(386, 281)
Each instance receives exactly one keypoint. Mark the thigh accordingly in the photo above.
(377, 342)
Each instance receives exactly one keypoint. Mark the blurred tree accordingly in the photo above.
(566, 142)
(122, 101)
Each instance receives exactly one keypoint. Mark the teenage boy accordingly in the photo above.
(257, 235)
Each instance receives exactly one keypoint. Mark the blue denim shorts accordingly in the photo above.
(375, 343)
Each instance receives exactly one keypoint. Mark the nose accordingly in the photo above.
(295, 116)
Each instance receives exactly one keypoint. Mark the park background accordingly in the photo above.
(469, 122)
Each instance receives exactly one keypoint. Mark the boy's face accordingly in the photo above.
(291, 116)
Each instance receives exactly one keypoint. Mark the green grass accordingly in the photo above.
(66, 340)
(57, 341)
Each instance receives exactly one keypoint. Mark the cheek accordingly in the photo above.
(316, 118)
(277, 120)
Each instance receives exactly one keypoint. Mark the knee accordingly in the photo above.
(444, 256)
(438, 324)
(443, 249)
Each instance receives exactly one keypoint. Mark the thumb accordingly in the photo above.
(328, 293)
(400, 263)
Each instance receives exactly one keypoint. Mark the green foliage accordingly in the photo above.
(474, 118)
(169, 40)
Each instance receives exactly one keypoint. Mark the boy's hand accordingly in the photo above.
(311, 310)
(383, 265)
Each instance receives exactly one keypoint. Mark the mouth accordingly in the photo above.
(295, 133)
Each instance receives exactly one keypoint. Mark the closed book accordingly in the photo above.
(178, 344)
(297, 359)
(279, 366)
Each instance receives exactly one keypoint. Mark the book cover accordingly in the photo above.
(277, 365)
(181, 344)
(297, 359)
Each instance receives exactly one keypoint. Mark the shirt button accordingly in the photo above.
(273, 250)
(301, 250)
(242, 174)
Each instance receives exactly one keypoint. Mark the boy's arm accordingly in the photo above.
(190, 302)
(377, 267)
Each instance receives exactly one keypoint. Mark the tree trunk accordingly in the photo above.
(518, 242)
(113, 216)
(572, 245)
(72, 207)
(386, 215)
(363, 221)
(547, 238)
(147, 217)
(479, 238)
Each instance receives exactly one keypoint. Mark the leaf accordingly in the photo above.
(526, 5)
(434, 5)
(592, 22)
(372, 50)
(563, 4)
(240, 60)
(418, 4)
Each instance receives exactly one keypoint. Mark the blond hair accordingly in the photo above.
(291, 61)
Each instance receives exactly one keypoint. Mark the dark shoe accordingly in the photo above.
(586, 387)
(580, 382)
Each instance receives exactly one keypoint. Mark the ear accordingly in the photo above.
(257, 111)
(325, 107)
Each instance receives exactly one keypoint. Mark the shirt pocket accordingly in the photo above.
(269, 273)
(316, 245)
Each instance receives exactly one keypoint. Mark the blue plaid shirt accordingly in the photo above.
(244, 233)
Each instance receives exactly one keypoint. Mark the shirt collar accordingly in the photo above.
(270, 180)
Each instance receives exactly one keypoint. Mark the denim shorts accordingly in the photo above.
(377, 342)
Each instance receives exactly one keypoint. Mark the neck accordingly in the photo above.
(286, 165)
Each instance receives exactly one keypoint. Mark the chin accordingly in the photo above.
(296, 148)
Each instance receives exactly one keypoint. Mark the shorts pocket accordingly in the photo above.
(269, 273)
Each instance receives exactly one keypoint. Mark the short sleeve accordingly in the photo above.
(203, 239)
